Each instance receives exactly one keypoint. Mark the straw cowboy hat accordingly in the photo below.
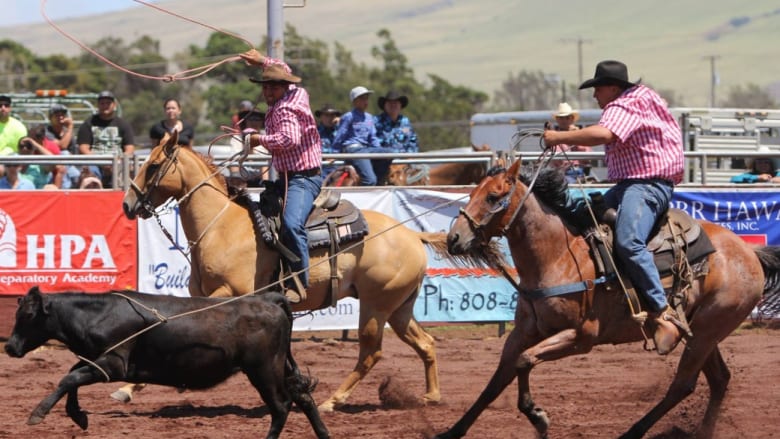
(275, 73)
(392, 96)
(565, 110)
(609, 73)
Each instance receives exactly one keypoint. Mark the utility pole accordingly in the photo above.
(714, 80)
(276, 29)
(580, 41)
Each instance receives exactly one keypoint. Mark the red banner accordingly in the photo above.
(66, 241)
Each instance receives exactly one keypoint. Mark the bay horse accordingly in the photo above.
(446, 174)
(228, 258)
(548, 252)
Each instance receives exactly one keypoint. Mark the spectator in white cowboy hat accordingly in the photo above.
(357, 134)
(565, 120)
(644, 158)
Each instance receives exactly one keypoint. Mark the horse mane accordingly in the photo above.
(209, 162)
(550, 185)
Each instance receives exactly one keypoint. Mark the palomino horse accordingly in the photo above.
(384, 272)
(549, 252)
(460, 174)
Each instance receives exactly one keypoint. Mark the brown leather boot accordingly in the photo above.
(666, 334)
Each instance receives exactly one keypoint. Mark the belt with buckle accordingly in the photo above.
(305, 173)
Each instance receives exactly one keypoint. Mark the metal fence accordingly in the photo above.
(699, 169)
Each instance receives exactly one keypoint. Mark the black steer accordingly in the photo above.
(181, 348)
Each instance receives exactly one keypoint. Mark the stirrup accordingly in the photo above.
(296, 294)
(678, 319)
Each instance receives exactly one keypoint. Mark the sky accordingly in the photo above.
(29, 11)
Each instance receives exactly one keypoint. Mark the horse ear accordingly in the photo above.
(170, 143)
(514, 170)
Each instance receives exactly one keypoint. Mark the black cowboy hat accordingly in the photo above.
(609, 73)
(327, 109)
(393, 95)
(275, 73)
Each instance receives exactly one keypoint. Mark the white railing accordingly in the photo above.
(699, 163)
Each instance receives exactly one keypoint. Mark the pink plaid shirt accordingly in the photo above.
(649, 142)
(290, 130)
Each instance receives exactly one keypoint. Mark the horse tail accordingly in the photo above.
(488, 255)
(770, 263)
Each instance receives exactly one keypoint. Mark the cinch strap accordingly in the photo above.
(560, 290)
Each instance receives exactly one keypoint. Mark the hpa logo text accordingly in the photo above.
(53, 251)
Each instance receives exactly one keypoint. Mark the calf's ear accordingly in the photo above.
(37, 300)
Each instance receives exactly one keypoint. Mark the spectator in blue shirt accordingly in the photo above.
(394, 130)
(357, 134)
(762, 171)
(13, 179)
(328, 120)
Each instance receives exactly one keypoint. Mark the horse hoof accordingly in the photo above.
(327, 407)
(34, 420)
(122, 396)
(431, 399)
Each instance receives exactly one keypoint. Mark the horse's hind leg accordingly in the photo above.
(502, 377)
(403, 323)
(696, 355)
(718, 377)
(370, 335)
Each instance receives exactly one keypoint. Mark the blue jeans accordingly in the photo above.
(364, 167)
(639, 204)
(301, 192)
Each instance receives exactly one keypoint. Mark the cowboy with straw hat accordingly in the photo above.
(575, 170)
(565, 111)
(292, 139)
(644, 156)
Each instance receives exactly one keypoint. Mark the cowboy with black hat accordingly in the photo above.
(328, 120)
(644, 157)
(394, 130)
(292, 139)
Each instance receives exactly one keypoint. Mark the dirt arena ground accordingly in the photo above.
(598, 395)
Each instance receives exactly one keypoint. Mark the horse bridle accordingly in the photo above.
(478, 227)
(144, 197)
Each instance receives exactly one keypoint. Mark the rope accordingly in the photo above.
(185, 74)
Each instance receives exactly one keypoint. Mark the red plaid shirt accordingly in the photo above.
(649, 142)
(290, 130)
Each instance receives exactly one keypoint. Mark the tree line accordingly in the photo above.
(439, 110)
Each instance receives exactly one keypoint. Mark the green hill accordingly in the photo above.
(478, 43)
